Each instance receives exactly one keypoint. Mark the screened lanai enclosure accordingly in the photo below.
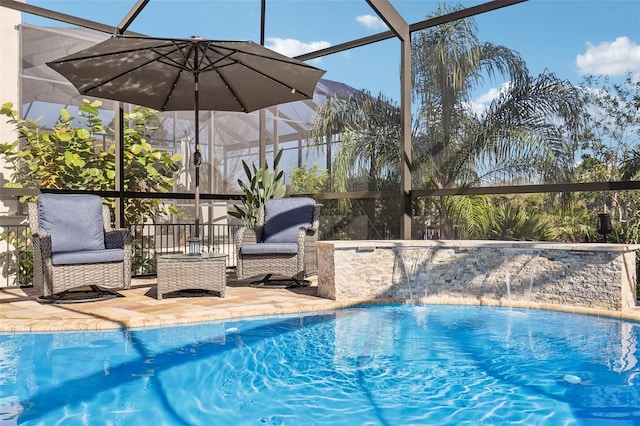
(226, 138)
(431, 122)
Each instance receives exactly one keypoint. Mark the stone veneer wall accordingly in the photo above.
(601, 276)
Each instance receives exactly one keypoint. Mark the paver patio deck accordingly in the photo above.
(20, 310)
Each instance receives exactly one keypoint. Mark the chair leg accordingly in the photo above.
(268, 282)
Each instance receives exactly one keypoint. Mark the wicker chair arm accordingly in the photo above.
(307, 238)
(246, 235)
(310, 230)
(117, 238)
(306, 234)
(40, 233)
(41, 241)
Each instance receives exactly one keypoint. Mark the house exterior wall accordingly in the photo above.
(9, 89)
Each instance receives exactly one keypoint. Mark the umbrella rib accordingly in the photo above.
(164, 59)
(185, 66)
(256, 70)
(211, 65)
(102, 83)
(85, 90)
(231, 89)
(193, 56)
(101, 55)
(161, 57)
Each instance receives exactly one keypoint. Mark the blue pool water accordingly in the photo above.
(376, 365)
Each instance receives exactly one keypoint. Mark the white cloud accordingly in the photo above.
(479, 105)
(610, 58)
(372, 22)
(291, 47)
(487, 97)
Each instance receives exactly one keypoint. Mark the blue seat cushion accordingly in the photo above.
(269, 248)
(283, 217)
(87, 256)
(73, 220)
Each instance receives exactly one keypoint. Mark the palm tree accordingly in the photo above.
(527, 133)
(367, 155)
(516, 221)
(369, 132)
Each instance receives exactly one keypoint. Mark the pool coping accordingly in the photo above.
(21, 312)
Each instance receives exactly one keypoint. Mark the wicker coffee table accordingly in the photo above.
(189, 272)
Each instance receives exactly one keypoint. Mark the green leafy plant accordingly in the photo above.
(305, 181)
(78, 153)
(261, 185)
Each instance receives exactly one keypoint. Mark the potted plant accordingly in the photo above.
(261, 185)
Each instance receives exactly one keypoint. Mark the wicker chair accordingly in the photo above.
(283, 243)
(74, 245)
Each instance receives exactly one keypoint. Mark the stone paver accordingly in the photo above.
(21, 312)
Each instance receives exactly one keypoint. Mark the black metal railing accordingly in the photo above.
(153, 240)
(16, 257)
(149, 242)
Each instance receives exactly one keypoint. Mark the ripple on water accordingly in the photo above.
(436, 365)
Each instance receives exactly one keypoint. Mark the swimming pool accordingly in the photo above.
(374, 365)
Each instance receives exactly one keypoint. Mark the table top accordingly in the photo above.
(182, 257)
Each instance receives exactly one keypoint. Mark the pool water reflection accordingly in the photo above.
(381, 364)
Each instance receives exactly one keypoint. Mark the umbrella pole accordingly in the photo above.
(194, 245)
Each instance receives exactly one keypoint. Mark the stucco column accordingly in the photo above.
(9, 90)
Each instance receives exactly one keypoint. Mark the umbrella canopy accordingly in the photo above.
(188, 74)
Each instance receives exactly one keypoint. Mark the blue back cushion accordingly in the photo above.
(284, 216)
(73, 220)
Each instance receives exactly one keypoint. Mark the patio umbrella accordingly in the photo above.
(188, 74)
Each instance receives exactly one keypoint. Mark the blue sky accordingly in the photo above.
(567, 37)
